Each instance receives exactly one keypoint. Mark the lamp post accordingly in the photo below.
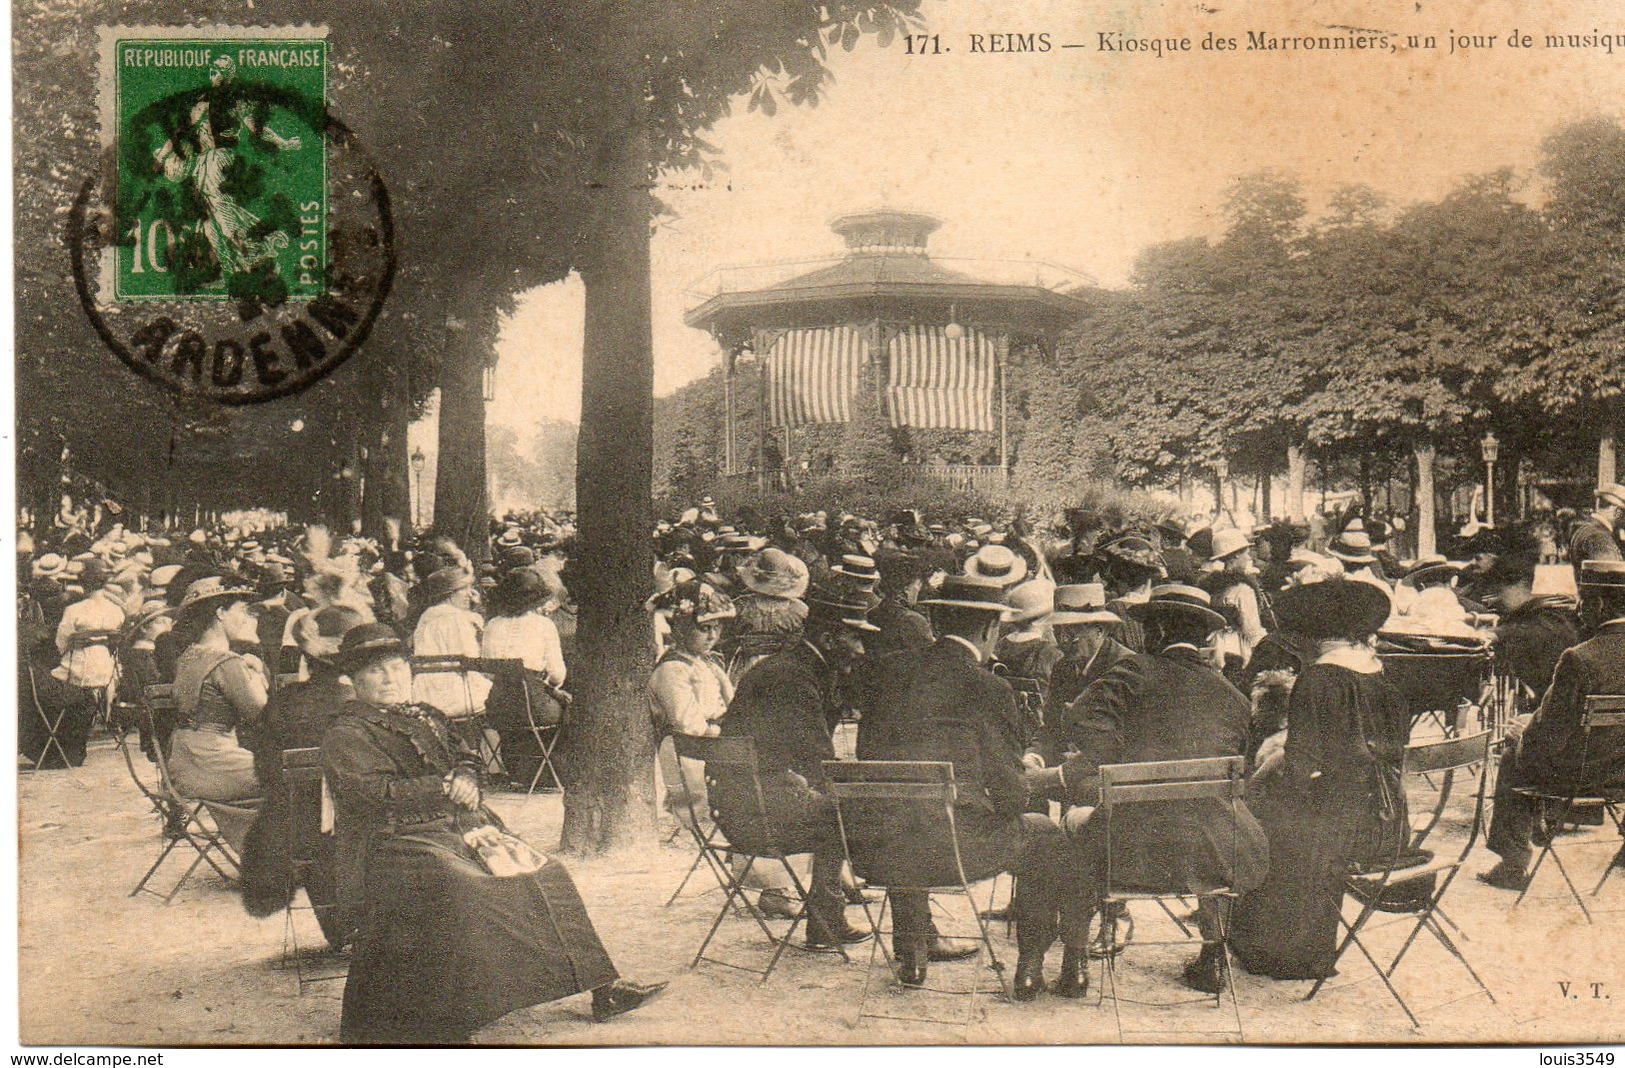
(1221, 474)
(417, 461)
(1490, 449)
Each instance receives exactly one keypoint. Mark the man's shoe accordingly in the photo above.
(1074, 979)
(858, 895)
(1113, 938)
(776, 905)
(1029, 981)
(1206, 972)
(945, 949)
(1506, 876)
(849, 936)
(911, 973)
(1004, 915)
(622, 996)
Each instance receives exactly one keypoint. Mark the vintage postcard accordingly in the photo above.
(862, 522)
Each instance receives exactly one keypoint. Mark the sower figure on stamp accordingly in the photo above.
(943, 703)
(785, 706)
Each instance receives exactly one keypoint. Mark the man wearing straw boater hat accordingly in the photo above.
(943, 702)
(787, 705)
(1083, 630)
(1170, 704)
(1552, 750)
(1596, 537)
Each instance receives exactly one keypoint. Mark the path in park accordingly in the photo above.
(100, 967)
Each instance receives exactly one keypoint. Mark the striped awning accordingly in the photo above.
(812, 375)
(941, 383)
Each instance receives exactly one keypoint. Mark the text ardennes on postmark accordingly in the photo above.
(238, 245)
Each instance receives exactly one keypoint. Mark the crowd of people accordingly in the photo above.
(1028, 659)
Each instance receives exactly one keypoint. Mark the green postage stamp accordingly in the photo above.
(217, 143)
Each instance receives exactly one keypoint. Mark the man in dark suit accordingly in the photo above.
(942, 703)
(787, 705)
(1596, 537)
(1553, 752)
(1083, 628)
(1171, 704)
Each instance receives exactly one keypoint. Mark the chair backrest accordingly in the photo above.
(442, 665)
(892, 780)
(156, 699)
(730, 768)
(302, 790)
(897, 820)
(1603, 711)
(1221, 778)
(1448, 754)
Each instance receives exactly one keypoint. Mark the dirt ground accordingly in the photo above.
(100, 967)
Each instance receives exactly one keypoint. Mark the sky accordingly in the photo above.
(1084, 158)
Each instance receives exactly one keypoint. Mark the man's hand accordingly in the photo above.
(798, 779)
(1519, 724)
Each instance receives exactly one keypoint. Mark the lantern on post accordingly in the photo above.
(417, 461)
(1490, 449)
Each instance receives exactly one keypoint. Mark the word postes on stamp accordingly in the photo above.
(238, 245)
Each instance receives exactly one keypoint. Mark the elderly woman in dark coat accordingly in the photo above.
(1333, 799)
(444, 946)
(296, 718)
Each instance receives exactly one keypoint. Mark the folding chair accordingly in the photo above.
(752, 836)
(1220, 779)
(52, 723)
(191, 823)
(302, 796)
(1602, 712)
(544, 719)
(149, 785)
(472, 724)
(1440, 686)
(875, 793)
(711, 846)
(1416, 890)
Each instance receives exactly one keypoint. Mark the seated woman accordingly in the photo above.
(297, 718)
(1333, 799)
(443, 947)
(219, 695)
(521, 628)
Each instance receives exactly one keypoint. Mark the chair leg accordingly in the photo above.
(1618, 859)
(987, 943)
(169, 847)
(1444, 939)
(877, 947)
(1415, 1024)
(699, 857)
(1562, 869)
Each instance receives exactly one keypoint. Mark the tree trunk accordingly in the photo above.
(1606, 471)
(609, 799)
(460, 509)
(1266, 504)
(388, 493)
(1426, 543)
(1296, 467)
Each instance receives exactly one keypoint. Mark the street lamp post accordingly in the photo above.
(1490, 449)
(418, 460)
(1221, 475)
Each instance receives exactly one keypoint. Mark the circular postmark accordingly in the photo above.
(238, 245)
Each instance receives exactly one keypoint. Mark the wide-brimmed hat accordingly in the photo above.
(694, 599)
(1031, 601)
(1602, 574)
(213, 591)
(1611, 493)
(1172, 527)
(1227, 543)
(1431, 569)
(1352, 547)
(837, 607)
(971, 591)
(51, 565)
(857, 569)
(1135, 552)
(148, 611)
(774, 573)
(1334, 608)
(445, 582)
(1083, 602)
(524, 589)
(995, 563)
(1177, 599)
(368, 644)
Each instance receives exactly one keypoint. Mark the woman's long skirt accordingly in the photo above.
(445, 947)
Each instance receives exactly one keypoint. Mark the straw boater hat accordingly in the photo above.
(1031, 601)
(1611, 493)
(972, 591)
(1602, 574)
(213, 591)
(774, 573)
(1084, 602)
(1177, 599)
(1227, 543)
(1333, 608)
(368, 644)
(997, 564)
(1134, 551)
(860, 570)
(1353, 546)
(837, 607)
(51, 565)
(1432, 569)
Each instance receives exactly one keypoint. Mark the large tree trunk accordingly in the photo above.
(1605, 459)
(460, 509)
(388, 492)
(609, 799)
(1426, 544)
